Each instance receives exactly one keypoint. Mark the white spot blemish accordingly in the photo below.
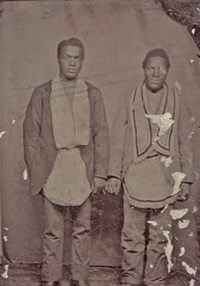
(198, 9)
(2, 133)
(178, 178)
(192, 119)
(5, 238)
(25, 175)
(161, 228)
(164, 121)
(132, 207)
(166, 160)
(191, 61)
(191, 234)
(193, 31)
(182, 251)
(183, 223)
(192, 282)
(5, 274)
(162, 211)
(194, 209)
(169, 224)
(189, 269)
(6, 228)
(177, 214)
(152, 222)
(13, 121)
(168, 250)
(151, 266)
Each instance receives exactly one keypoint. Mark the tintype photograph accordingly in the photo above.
(100, 143)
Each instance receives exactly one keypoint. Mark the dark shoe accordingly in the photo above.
(80, 283)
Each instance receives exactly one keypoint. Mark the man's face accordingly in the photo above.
(70, 62)
(155, 73)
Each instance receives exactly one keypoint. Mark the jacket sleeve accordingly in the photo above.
(101, 138)
(31, 126)
(117, 138)
(185, 138)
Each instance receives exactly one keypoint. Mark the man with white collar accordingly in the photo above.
(66, 149)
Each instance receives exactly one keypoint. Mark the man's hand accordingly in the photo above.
(184, 192)
(98, 184)
(114, 185)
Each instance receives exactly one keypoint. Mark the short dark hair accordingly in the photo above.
(71, 42)
(157, 53)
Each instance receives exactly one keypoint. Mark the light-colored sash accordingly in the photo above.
(71, 124)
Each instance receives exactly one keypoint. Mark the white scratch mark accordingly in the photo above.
(191, 61)
(193, 31)
(5, 274)
(6, 228)
(182, 251)
(162, 211)
(191, 234)
(176, 238)
(189, 269)
(168, 250)
(164, 121)
(194, 209)
(5, 238)
(25, 175)
(178, 178)
(177, 214)
(152, 222)
(192, 282)
(13, 121)
(166, 160)
(183, 223)
(2, 133)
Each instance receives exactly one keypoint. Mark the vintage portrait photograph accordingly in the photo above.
(100, 143)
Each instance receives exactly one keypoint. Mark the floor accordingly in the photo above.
(29, 275)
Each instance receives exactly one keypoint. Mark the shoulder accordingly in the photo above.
(93, 91)
(42, 89)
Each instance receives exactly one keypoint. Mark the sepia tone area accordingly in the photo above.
(117, 35)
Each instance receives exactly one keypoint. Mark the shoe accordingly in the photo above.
(80, 283)
(64, 283)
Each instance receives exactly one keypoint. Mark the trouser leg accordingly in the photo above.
(186, 239)
(81, 241)
(133, 243)
(53, 242)
(159, 243)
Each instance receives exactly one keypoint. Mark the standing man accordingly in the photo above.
(151, 154)
(66, 150)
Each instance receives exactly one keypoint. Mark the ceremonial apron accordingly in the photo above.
(68, 184)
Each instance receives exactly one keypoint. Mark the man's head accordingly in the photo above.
(70, 54)
(156, 65)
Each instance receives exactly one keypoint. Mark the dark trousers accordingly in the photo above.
(133, 245)
(53, 257)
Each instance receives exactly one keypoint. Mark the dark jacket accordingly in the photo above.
(39, 146)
